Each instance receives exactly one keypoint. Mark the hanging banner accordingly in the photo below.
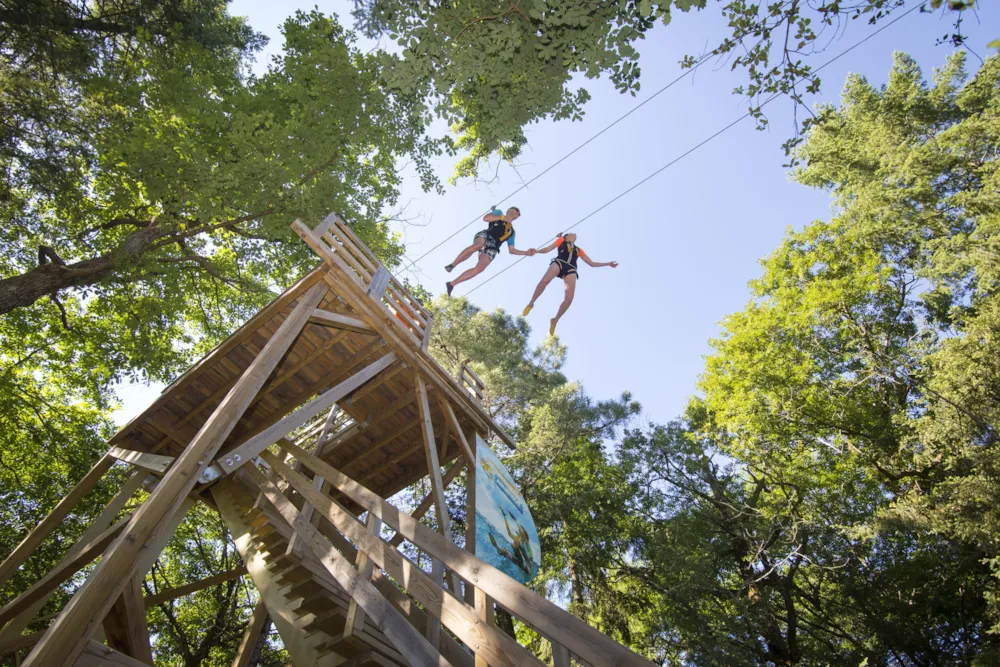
(505, 532)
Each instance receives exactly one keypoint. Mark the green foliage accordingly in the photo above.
(493, 67)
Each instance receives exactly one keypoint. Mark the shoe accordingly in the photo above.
(450, 288)
(449, 268)
(527, 309)
(552, 327)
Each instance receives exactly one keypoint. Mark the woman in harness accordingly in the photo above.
(488, 242)
(563, 266)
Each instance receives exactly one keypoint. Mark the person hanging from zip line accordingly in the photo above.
(563, 266)
(487, 243)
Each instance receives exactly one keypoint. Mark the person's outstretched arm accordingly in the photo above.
(494, 216)
(514, 251)
(588, 260)
(549, 248)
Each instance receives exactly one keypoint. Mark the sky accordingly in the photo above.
(688, 241)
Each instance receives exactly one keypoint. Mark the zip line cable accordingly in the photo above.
(699, 145)
(698, 63)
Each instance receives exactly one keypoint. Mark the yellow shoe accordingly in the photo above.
(527, 309)
(552, 327)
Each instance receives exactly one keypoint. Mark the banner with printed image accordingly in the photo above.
(505, 532)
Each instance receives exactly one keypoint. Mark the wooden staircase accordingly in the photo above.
(309, 608)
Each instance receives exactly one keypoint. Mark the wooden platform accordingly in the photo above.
(380, 445)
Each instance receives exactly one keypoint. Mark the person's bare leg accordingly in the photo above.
(550, 273)
(570, 281)
(484, 261)
(467, 253)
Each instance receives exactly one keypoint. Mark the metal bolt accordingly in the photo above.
(229, 462)
(237, 457)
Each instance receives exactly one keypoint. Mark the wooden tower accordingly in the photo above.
(294, 429)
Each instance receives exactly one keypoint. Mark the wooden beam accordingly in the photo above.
(434, 469)
(460, 618)
(62, 572)
(355, 613)
(340, 321)
(16, 626)
(67, 637)
(193, 587)
(452, 420)
(37, 534)
(257, 623)
(125, 625)
(580, 638)
(403, 636)
(153, 462)
(470, 523)
(249, 449)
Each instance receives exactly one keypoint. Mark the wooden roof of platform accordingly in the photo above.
(384, 450)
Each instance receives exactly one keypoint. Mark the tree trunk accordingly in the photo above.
(258, 647)
(51, 277)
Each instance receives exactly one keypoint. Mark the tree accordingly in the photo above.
(492, 68)
(868, 350)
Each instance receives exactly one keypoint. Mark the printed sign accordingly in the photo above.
(505, 532)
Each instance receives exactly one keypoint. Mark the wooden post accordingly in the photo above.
(470, 524)
(55, 517)
(66, 639)
(484, 614)
(434, 470)
(257, 623)
(355, 614)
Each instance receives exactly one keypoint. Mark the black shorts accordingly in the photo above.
(490, 248)
(565, 269)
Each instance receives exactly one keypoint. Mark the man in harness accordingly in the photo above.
(563, 266)
(488, 243)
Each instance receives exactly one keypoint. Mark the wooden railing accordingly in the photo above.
(471, 383)
(470, 623)
(337, 239)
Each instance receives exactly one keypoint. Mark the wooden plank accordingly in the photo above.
(96, 654)
(460, 618)
(125, 625)
(581, 639)
(355, 613)
(67, 636)
(194, 587)
(402, 635)
(434, 468)
(396, 369)
(339, 321)
(257, 622)
(379, 282)
(16, 626)
(327, 222)
(37, 534)
(246, 451)
(427, 333)
(154, 462)
(62, 572)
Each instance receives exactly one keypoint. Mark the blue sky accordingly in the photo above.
(688, 241)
